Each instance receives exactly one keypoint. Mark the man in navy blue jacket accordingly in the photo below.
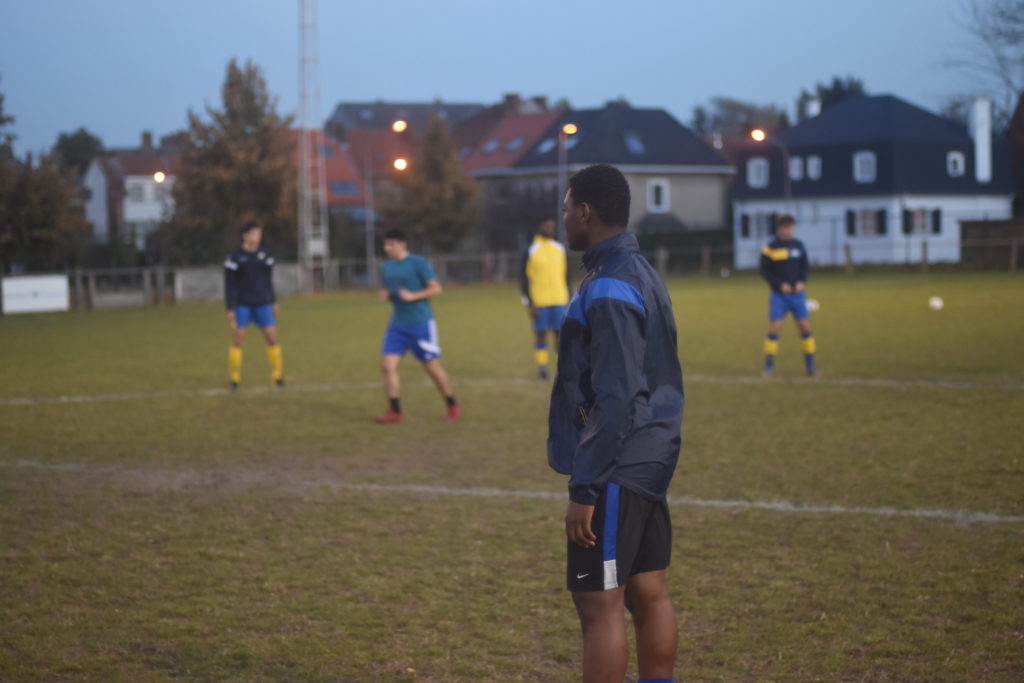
(615, 429)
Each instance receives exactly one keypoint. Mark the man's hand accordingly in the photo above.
(405, 295)
(799, 287)
(577, 525)
(231, 319)
(533, 311)
(383, 295)
(786, 288)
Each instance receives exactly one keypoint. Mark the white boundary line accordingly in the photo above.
(960, 516)
(699, 379)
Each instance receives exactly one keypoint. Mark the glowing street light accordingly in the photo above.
(759, 136)
(401, 164)
(159, 176)
(563, 153)
(399, 126)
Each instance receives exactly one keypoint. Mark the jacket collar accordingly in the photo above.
(602, 250)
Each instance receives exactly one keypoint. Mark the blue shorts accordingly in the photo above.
(548, 318)
(262, 316)
(780, 304)
(421, 339)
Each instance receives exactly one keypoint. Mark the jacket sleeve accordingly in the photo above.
(767, 272)
(230, 283)
(524, 278)
(270, 278)
(617, 351)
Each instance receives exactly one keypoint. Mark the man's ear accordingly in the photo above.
(585, 212)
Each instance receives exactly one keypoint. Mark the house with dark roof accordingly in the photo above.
(875, 178)
(128, 191)
(677, 181)
(380, 115)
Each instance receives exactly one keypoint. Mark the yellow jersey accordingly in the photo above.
(544, 277)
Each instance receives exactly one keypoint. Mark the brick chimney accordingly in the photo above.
(147, 139)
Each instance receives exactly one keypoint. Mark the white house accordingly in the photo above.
(874, 177)
(128, 192)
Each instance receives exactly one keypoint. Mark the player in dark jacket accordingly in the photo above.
(615, 421)
(784, 268)
(249, 297)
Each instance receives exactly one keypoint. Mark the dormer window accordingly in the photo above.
(796, 168)
(864, 167)
(956, 164)
(814, 167)
(514, 144)
(491, 146)
(633, 143)
(757, 172)
(546, 146)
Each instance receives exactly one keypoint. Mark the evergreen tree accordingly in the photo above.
(829, 94)
(438, 201)
(236, 165)
(77, 150)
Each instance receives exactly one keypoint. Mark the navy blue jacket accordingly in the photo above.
(617, 402)
(248, 278)
(783, 262)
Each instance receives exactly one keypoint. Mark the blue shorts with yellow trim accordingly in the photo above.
(548, 318)
(780, 304)
(261, 316)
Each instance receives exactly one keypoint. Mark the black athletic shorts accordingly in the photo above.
(634, 535)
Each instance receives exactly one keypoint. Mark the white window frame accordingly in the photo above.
(796, 168)
(956, 164)
(865, 167)
(814, 167)
(653, 184)
(758, 172)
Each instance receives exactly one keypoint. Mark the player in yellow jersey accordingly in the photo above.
(544, 281)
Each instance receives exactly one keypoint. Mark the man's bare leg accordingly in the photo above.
(657, 635)
(603, 621)
(440, 377)
(389, 369)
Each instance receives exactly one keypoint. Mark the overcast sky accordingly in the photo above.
(119, 67)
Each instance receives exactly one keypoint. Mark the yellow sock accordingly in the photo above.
(541, 356)
(276, 362)
(771, 347)
(235, 363)
(809, 345)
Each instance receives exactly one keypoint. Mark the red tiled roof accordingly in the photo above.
(338, 168)
(509, 140)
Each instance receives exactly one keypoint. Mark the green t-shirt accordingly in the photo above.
(413, 273)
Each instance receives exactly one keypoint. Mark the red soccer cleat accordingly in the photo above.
(454, 413)
(389, 417)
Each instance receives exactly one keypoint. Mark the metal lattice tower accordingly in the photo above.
(314, 250)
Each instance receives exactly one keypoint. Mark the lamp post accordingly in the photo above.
(400, 164)
(759, 136)
(563, 152)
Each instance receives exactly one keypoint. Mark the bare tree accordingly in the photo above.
(996, 50)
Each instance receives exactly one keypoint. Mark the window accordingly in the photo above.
(864, 167)
(657, 195)
(796, 168)
(344, 188)
(744, 225)
(814, 167)
(136, 192)
(547, 145)
(491, 146)
(956, 164)
(757, 172)
(514, 144)
(866, 222)
(162, 193)
(326, 151)
(634, 145)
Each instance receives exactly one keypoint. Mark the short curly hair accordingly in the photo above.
(606, 190)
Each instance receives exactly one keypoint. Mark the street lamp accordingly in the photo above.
(563, 138)
(159, 176)
(758, 135)
(399, 164)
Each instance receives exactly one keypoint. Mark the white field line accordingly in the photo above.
(503, 381)
(959, 516)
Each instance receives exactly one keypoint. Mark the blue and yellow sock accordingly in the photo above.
(810, 349)
(235, 364)
(771, 349)
(540, 354)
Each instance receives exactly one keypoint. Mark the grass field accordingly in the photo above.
(155, 527)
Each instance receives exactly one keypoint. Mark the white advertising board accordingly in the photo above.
(35, 294)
